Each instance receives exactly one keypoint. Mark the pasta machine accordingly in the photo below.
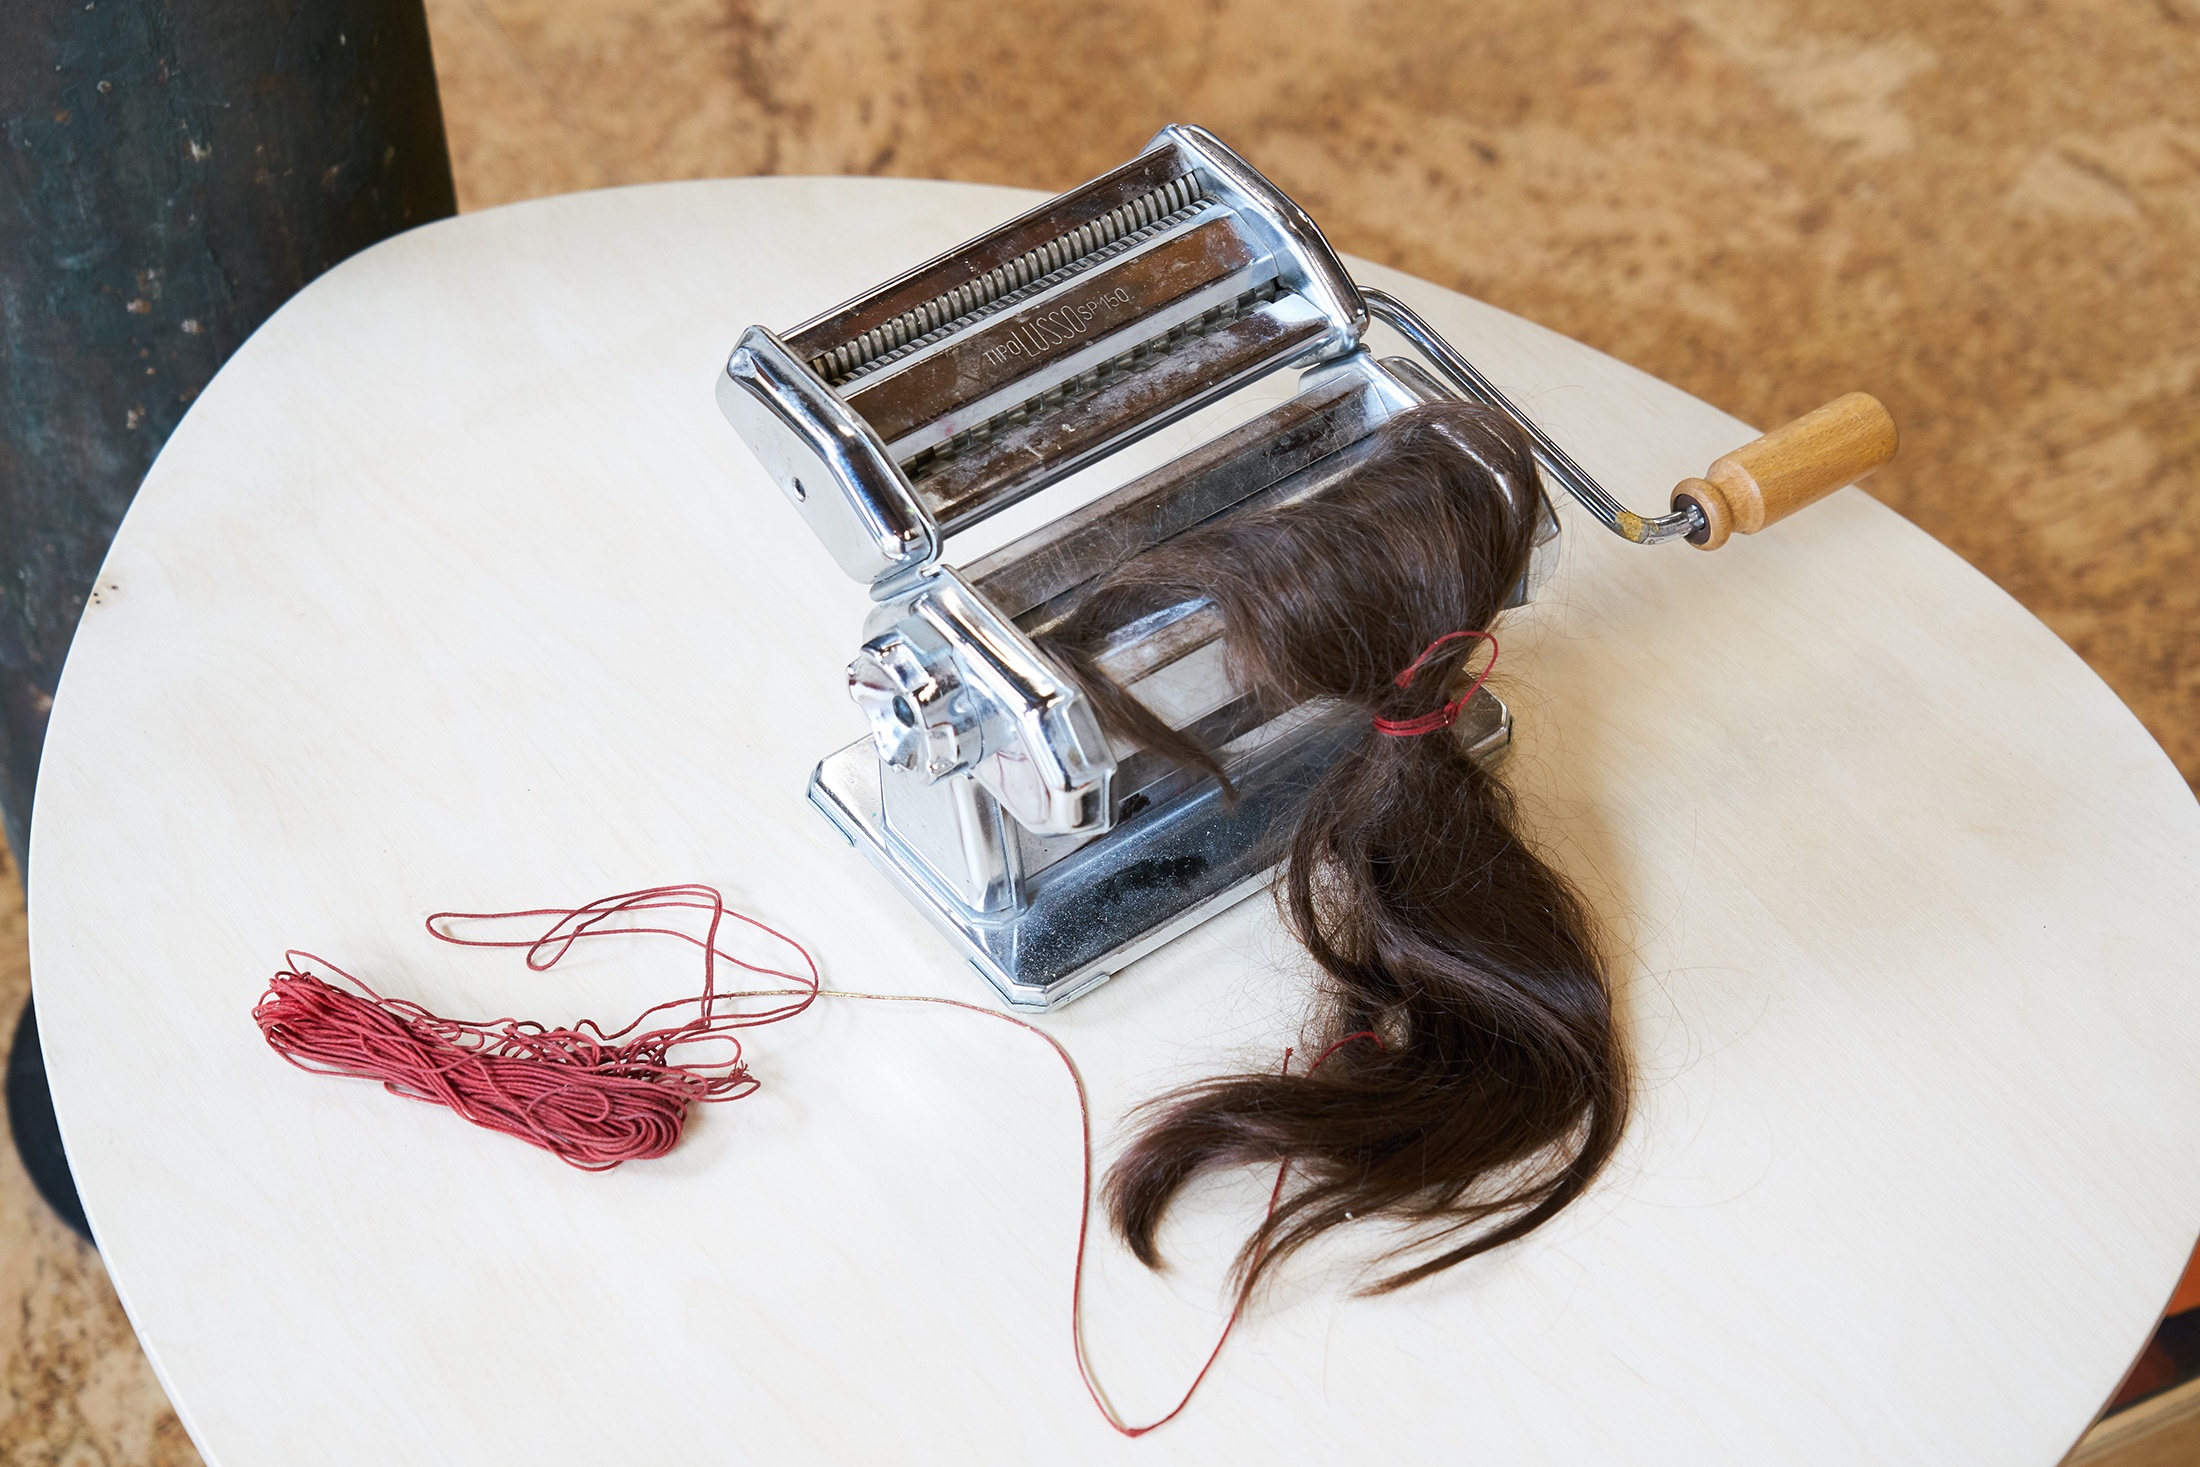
(1050, 856)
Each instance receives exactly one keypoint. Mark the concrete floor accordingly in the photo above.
(1988, 214)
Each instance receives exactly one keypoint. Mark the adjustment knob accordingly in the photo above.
(913, 698)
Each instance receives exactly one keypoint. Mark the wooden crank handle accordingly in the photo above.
(1793, 466)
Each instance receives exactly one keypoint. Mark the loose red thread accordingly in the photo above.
(1077, 1287)
(597, 1099)
(1446, 716)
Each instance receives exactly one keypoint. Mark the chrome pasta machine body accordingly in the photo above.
(1049, 855)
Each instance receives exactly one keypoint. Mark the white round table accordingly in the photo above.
(454, 591)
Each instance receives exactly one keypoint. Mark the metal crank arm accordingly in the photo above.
(1616, 517)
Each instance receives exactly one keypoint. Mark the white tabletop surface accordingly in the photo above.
(454, 590)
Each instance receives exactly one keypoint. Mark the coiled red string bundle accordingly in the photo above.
(589, 1096)
(595, 1099)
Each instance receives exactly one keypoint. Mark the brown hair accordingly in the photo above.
(1495, 1086)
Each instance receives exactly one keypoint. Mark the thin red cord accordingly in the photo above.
(1077, 1286)
(594, 1103)
(591, 1097)
(1446, 716)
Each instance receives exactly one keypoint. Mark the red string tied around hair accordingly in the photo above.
(1446, 716)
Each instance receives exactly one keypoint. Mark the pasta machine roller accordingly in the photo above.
(987, 790)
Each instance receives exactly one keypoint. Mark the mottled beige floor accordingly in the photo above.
(1987, 213)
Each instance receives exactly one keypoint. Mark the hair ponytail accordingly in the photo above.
(1489, 1086)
